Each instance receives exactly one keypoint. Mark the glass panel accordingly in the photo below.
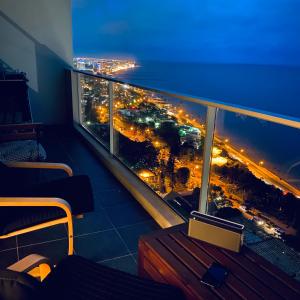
(94, 107)
(161, 140)
(255, 180)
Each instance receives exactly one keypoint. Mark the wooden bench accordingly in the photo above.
(170, 256)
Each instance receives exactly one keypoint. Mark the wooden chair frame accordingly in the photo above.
(33, 264)
(41, 202)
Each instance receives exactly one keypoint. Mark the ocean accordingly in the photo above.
(275, 89)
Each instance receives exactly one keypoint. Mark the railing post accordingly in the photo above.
(75, 86)
(208, 146)
(79, 91)
(111, 117)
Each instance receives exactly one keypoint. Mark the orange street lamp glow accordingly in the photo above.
(180, 111)
(226, 140)
(242, 150)
(197, 167)
(261, 162)
(131, 128)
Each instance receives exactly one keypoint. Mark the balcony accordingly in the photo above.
(153, 156)
(111, 232)
(177, 153)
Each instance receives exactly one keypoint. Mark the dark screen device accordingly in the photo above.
(215, 275)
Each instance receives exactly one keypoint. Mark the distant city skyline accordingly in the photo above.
(208, 31)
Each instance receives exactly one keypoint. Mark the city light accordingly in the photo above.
(145, 174)
(219, 161)
(141, 117)
(102, 66)
(216, 151)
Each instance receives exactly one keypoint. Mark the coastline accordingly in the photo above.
(259, 138)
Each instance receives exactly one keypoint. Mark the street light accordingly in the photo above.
(261, 162)
(242, 150)
(226, 140)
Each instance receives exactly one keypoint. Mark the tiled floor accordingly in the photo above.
(109, 235)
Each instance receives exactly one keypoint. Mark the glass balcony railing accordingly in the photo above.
(254, 180)
(94, 107)
(196, 154)
(160, 142)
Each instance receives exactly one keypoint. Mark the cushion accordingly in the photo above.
(16, 218)
(78, 278)
(27, 150)
(17, 286)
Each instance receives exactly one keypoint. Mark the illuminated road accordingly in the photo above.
(263, 173)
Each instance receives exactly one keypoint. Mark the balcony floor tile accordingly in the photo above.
(7, 258)
(92, 222)
(100, 246)
(44, 235)
(124, 263)
(127, 214)
(8, 243)
(54, 250)
(131, 234)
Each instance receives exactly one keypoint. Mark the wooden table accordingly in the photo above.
(170, 256)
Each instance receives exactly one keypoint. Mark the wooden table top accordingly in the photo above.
(180, 260)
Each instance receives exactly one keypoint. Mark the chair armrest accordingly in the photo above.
(39, 165)
(28, 263)
(37, 201)
(43, 202)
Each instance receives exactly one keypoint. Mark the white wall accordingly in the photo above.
(36, 37)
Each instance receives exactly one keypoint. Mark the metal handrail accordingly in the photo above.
(251, 112)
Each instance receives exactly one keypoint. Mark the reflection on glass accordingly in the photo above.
(94, 105)
(254, 180)
(161, 140)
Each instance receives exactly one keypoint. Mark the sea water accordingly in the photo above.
(274, 89)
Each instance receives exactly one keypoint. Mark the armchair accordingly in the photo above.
(32, 208)
(19, 137)
(24, 221)
(78, 278)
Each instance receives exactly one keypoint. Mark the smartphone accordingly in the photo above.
(215, 275)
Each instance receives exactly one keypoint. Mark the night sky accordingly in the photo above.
(210, 31)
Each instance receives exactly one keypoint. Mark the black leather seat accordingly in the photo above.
(76, 190)
(78, 278)
(16, 218)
